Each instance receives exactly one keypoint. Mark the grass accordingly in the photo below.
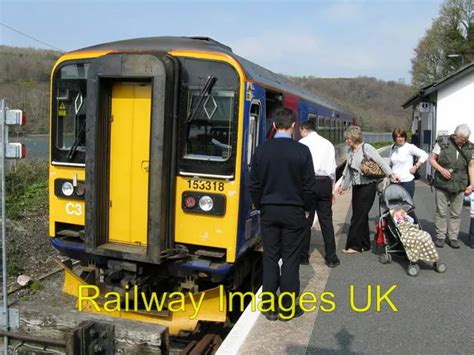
(26, 186)
(378, 145)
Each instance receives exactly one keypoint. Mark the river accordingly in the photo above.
(36, 146)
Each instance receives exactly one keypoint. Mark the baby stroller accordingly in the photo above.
(389, 234)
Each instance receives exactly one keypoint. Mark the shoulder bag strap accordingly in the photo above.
(462, 153)
(363, 151)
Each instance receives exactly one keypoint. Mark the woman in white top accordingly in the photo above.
(402, 156)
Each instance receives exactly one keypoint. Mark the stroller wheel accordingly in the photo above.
(385, 259)
(440, 267)
(412, 270)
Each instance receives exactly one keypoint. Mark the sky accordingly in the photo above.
(328, 39)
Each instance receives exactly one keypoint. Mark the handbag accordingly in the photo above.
(370, 168)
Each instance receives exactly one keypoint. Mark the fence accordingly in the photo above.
(370, 137)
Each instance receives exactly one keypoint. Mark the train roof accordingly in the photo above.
(253, 71)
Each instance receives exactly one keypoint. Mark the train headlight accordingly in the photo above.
(67, 189)
(80, 190)
(206, 203)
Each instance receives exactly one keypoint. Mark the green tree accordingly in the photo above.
(451, 33)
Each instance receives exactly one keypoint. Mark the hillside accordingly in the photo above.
(24, 82)
(375, 103)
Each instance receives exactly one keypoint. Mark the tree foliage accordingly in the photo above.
(24, 83)
(375, 103)
(451, 33)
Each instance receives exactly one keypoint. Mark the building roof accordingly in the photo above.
(252, 71)
(447, 80)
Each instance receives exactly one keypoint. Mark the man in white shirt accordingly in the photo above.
(324, 161)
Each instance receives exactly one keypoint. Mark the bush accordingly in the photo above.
(378, 145)
(26, 185)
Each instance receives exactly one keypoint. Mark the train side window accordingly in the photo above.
(314, 118)
(338, 131)
(320, 126)
(332, 135)
(327, 128)
(254, 128)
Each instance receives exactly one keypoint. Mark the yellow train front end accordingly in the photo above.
(145, 180)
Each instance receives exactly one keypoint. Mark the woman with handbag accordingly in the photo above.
(364, 168)
(402, 159)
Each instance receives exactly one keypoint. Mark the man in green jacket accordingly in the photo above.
(453, 160)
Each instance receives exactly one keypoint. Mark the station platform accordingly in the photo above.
(431, 313)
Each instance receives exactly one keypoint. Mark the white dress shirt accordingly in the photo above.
(323, 153)
(401, 159)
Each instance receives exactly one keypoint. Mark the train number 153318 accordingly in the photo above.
(206, 185)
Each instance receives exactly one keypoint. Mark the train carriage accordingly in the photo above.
(151, 147)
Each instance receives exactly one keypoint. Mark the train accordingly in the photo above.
(151, 142)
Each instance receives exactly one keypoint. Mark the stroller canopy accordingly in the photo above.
(396, 197)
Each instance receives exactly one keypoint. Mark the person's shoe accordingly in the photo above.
(271, 315)
(453, 243)
(333, 262)
(439, 243)
(304, 261)
(350, 251)
(298, 313)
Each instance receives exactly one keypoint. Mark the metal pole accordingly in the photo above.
(4, 246)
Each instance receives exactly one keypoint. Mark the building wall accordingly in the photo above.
(455, 105)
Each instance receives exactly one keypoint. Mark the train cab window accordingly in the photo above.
(209, 136)
(69, 113)
(207, 126)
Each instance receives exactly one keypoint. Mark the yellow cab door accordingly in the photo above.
(129, 159)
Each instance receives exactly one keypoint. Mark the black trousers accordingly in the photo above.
(323, 206)
(282, 230)
(362, 200)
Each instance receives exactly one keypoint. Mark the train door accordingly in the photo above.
(273, 101)
(129, 162)
(254, 129)
(255, 136)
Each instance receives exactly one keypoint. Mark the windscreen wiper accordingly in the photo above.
(205, 91)
(78, 102)
(76, 142)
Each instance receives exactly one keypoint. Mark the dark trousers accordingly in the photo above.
(282, 230)
(362, 200)
(409, 186)
(323, 206)
(471, 232)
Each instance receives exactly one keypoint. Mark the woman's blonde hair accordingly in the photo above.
(354, 133)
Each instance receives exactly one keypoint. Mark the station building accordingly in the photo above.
(441, 106)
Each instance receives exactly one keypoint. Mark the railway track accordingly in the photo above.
(46, 329)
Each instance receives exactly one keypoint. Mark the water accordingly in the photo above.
(36, 146)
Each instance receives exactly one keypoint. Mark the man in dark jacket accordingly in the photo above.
(282, 185)
(453, 160)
